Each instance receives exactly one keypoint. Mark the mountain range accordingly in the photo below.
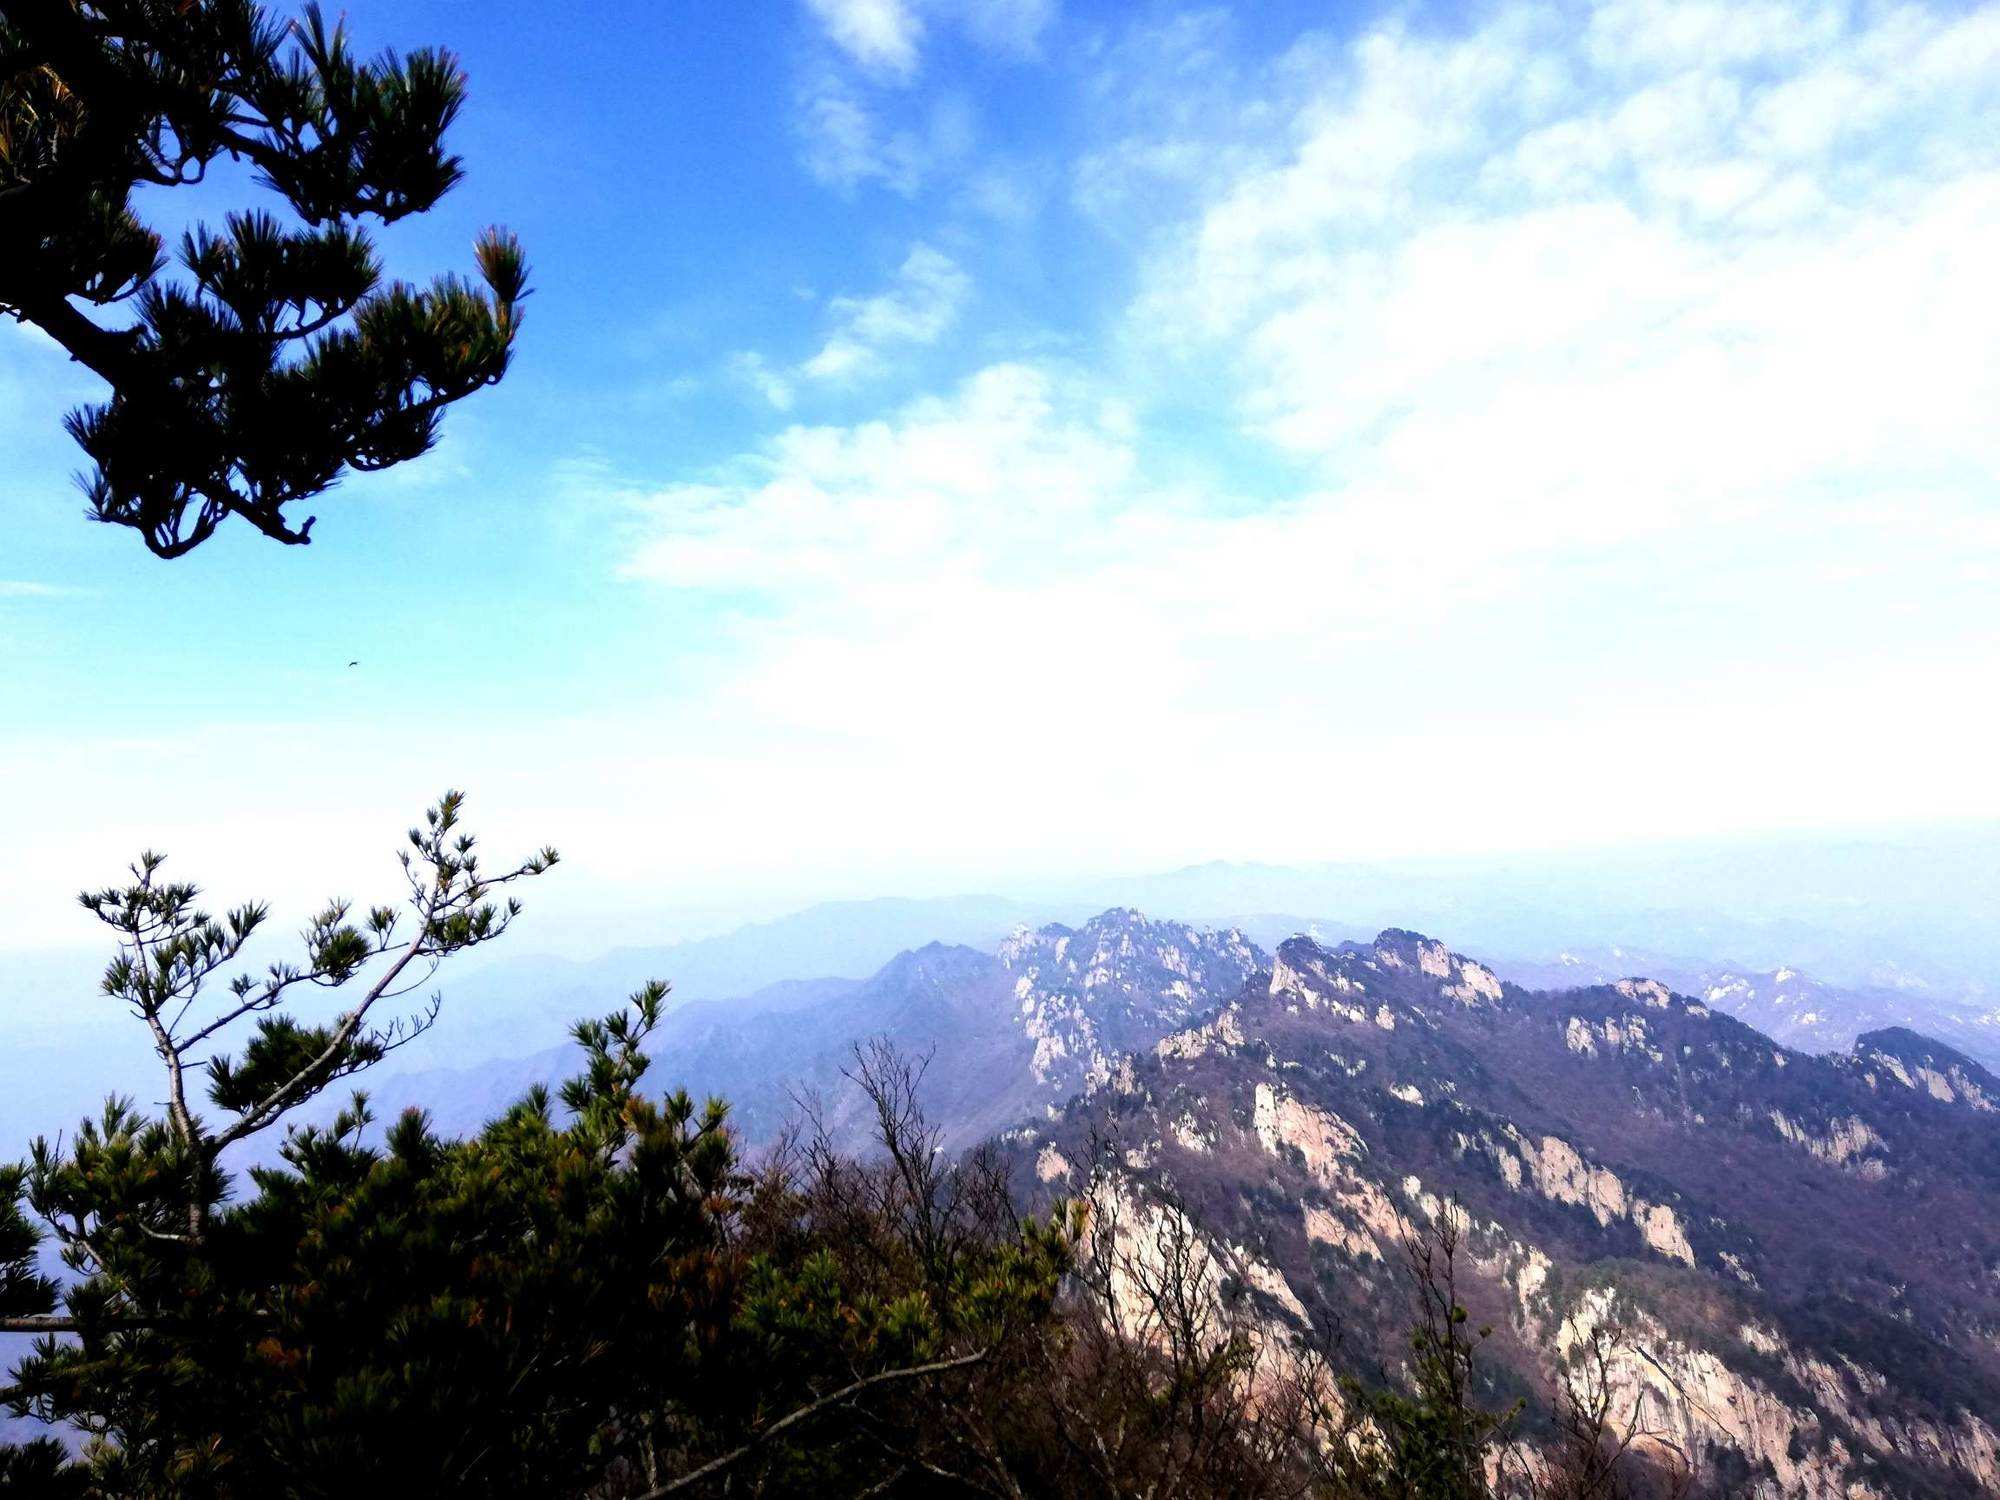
(1004, 1034)
(1782, 1194)
(1785, 1003)
(1798, 1247)
(1800, 1254)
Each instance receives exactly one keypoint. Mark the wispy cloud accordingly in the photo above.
(846, 142)
(21, 588)
(885, 37)
(880, 35)
(861, 119)
(1672, 251)
(753, 370)
(1008, 26)
(921, 306)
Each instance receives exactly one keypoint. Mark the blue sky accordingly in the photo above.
(958, 444)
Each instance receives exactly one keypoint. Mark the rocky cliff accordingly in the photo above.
(1799, 1255)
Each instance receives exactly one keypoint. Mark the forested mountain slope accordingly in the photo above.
(1800, 1255)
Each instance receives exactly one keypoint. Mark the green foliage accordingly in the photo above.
(1428, 1435)
(278, 357)
(170, 950)
(449, 1318)
(281, 1049)
(40, 1470)
(24, 1292)
(550, 1307)
(1430, 1442)
(134, 1202)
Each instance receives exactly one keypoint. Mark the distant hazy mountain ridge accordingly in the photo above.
(1787, 1004)
(1009, 1033)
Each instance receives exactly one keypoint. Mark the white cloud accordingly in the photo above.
(753, 370)
(1002, 193)
(21, 588)
(859, 120)
(885, 37)
(1606, 448)
(1160, 102)
(977, 634)
(920, 306)
(929, 291)
(1685, 246)
(1616, 385)
(905, 571)
(846, 143)
(881, 35)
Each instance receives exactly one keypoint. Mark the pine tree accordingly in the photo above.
(277, 357)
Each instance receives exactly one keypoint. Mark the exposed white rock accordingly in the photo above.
(1143, 1246)
(1267, 1279)
(1763, 1340)
(1191, 1134)
(1733, 1263)
(1646, 991)
(1322, 1138)
(1851, 1140)
(1313, 985)
(1328, 1228)
(1476, 982)
(1371, 1208)
(1662, 1230)
(1562, 1174)
(1944, 1080)
(1692, 1400)
(1578, 1037)
(1559, 1172)
(1082, 994)
(1612, 1034)
(1226, 1030)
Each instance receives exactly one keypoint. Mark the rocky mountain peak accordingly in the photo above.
(1114, 985)
(1401, 972)
(1896, 1055)
(1123, 953)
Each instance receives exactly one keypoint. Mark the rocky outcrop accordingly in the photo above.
(1322, 1140)
(1085, 996)
(1800, 1256)
(1900, 1056)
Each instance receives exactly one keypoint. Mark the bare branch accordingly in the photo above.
(806, 1413)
